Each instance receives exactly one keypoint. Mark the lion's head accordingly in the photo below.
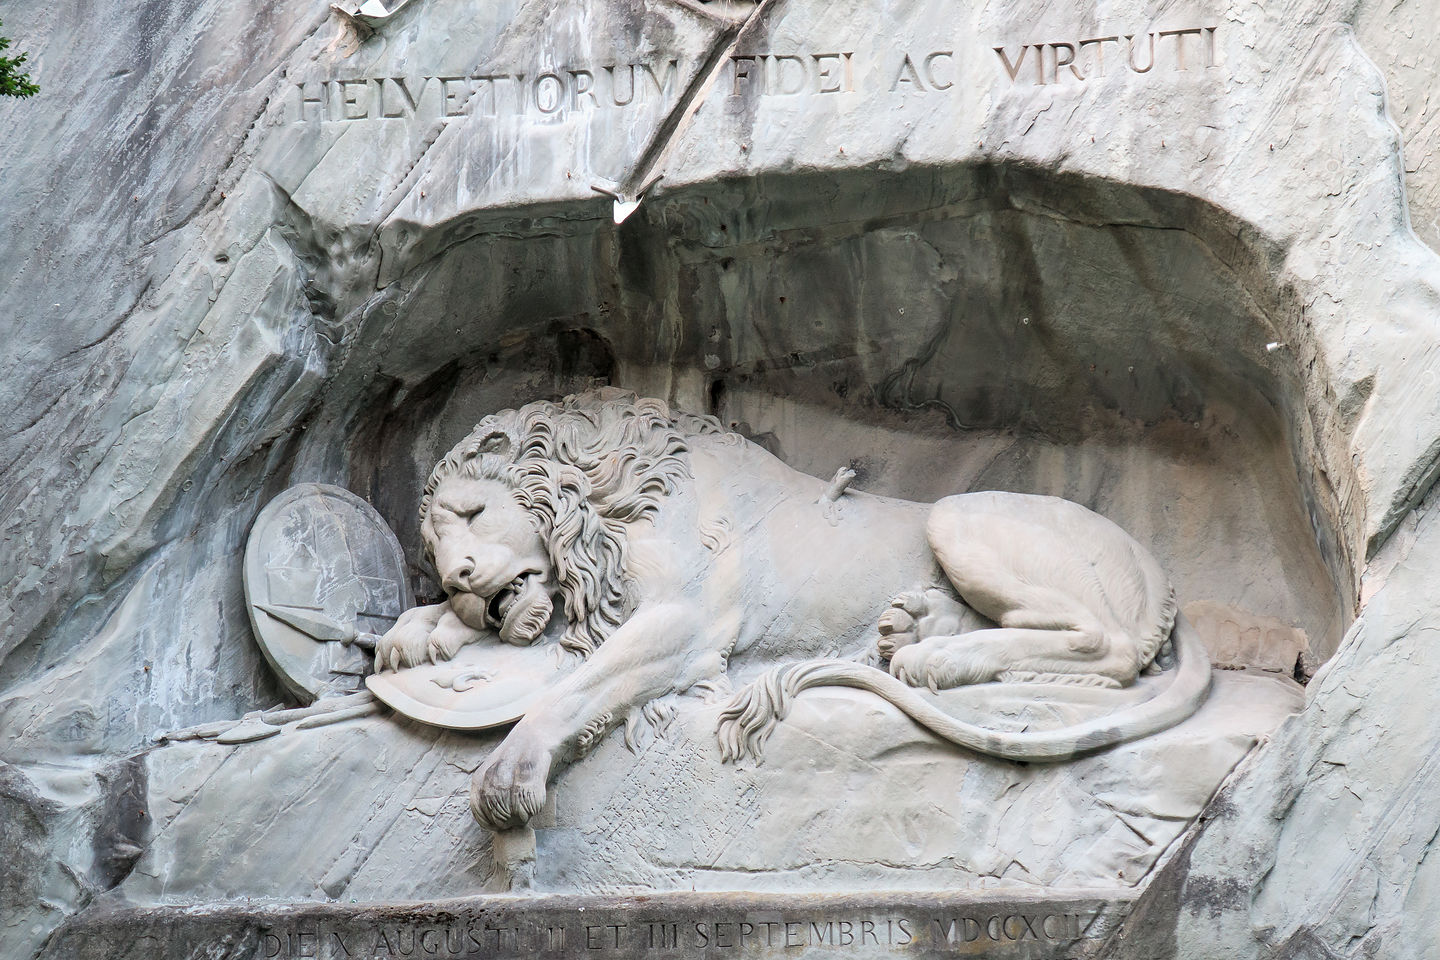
(537, 500)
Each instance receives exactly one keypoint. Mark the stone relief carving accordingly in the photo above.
(641, 552)
(323, 577)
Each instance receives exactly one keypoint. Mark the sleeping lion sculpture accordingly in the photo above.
(681, 554)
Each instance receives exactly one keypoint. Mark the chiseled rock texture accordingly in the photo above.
(225, 271)
(1322, 847)
(382, 805)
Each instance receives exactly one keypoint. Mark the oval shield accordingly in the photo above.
(323, 575)
(487, 684)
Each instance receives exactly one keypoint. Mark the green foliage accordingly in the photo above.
(13, 83)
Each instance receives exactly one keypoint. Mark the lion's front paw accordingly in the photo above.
(422, 634)
(939, 665)
(449, 635)
(404, 645)
(510, 788)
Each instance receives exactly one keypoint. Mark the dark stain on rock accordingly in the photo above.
(584, 353)
(122, 825)
(25, 819)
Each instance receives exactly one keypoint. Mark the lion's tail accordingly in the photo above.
(750, 717)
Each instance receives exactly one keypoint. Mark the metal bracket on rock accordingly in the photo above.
(366, 15)
(624, 207)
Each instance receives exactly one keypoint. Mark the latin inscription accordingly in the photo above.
(787, 75)
(541, 92)
(1057, 61)
(962, 933)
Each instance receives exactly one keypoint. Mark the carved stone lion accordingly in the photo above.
(681, 552)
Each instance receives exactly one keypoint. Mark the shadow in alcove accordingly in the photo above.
(940, 329)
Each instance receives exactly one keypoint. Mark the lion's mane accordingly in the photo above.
(584, 468)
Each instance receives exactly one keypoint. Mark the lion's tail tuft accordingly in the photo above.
(747, 721)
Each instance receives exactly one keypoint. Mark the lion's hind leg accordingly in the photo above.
(1002, 653)
(1035, 583)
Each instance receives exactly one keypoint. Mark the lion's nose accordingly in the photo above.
(459, 576)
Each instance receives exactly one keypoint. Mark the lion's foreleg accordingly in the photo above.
(430, 632)
(662, 649)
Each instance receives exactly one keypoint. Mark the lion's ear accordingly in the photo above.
(497, 443)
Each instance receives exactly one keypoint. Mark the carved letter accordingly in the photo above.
(672, 70)
(1099, 52)
(406, 99)
(1069, 60)
(1179, 36)
(453, 104)
(672, 938)
(914, 75)
(584, 82)
(556, 97)
(490, 81)
(930, 69)
(615, 88)
(323, 101)
(348, 100)
(1012, 69)
(823, 74)
(742, 67)
(780, 62)
(1131, 58)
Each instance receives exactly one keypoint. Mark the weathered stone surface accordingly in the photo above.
(368, 796)
(382, 804)
(998, 925)
(1321, 847)
(1397, 38)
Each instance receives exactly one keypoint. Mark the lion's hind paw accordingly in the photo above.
(939, 665)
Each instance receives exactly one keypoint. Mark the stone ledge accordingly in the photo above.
(994, 924)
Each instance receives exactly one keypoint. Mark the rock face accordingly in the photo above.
(1169, 263)
(667, 814)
